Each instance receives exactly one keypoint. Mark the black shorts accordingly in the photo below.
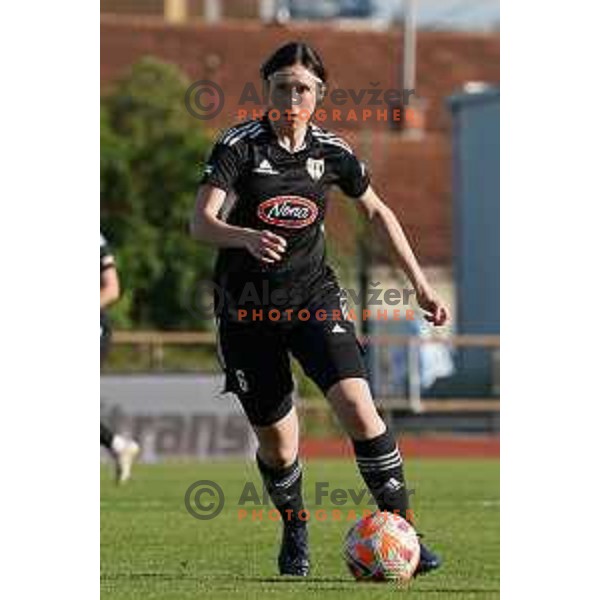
(255, 356)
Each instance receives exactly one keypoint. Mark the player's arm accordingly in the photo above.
(354, 181)
(387, 225)
(207, 226)
(109, 282)
(222, 172)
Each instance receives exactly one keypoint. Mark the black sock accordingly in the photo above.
(380, 464)
(285, 489)
(106, 436)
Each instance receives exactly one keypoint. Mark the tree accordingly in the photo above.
(150, 159)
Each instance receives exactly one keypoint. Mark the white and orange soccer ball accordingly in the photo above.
(382, 546)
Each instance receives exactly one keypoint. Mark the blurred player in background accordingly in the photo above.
(280, 167)
(122, 450)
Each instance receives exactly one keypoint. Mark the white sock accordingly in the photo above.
(119, 443)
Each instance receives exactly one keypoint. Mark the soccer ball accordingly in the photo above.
(382, 546)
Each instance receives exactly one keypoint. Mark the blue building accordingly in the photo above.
(476, 191)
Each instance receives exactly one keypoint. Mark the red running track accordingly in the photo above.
(438, 446)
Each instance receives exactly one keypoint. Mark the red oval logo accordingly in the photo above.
(293, 212)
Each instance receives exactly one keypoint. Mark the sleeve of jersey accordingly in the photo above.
(223, 166)
(354, 177)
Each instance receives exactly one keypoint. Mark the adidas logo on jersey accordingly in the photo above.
(338, 329)
(265, 168)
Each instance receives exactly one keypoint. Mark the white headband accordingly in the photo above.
(283, 72)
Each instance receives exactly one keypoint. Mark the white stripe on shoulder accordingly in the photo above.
(330, 138)
(335, 142)
(234, 130)
(319, 131)
(235, 136)
(246, 133)
(255, 134)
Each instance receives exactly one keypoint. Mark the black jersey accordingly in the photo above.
(285, 193)
(106, 262)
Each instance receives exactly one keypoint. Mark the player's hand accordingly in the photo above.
(265, 245)
(435, 311)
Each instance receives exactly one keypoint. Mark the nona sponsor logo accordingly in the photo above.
(293, 212)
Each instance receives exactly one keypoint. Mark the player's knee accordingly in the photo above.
(278, 442)
(360, 418)
(361, 427)
(278, 456)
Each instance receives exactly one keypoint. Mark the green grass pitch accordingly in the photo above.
(151, 548)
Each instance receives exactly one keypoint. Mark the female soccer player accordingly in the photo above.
(123, 451)
(276, 295)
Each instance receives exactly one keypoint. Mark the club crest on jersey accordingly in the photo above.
(315, 167)
(293, 212)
